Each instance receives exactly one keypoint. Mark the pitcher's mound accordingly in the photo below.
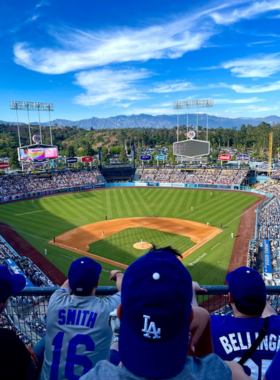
(143, 245)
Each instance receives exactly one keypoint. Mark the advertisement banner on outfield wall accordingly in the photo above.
(75, 188)
(224, 187)
(191, 185)
(99, 185)
(151, 183)
(141, 184)
(87, 187)
(177, 184)
(205, 185)
(64, 190)
(165, 184)
(17, 196)
(47, 192)
(267, 268)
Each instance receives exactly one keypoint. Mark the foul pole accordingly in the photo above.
(270, 158)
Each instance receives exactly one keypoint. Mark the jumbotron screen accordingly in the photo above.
(37, 154)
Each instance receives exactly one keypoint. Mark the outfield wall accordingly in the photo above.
(91, 186)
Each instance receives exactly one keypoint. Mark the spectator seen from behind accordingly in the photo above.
(233, 336)
(155, 320)
(78, 334)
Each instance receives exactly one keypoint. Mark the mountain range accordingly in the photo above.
(159, 121)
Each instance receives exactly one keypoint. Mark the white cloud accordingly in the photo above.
(77, 50)
(249, 11)
(237, 101)
(42, 3)
(253, 89)
(32, 18)
(80, 50)
(110, 86)
(163, 88)
(254, 67)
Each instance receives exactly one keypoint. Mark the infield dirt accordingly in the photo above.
(79, 239)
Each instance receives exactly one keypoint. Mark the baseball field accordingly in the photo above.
(189, 220)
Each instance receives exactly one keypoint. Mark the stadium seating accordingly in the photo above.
(28, 183)
(207, 176)
(24, 314)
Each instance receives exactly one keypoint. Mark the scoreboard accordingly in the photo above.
(191, 148)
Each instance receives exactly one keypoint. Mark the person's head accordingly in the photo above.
(9, 283)
(83, 276)
(155, 314)
(247, 291)
(15, 359)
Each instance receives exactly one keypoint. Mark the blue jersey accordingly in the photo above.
(78, 334)
(273, 372)
(232, 337)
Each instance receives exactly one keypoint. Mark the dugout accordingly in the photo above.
(117, 172)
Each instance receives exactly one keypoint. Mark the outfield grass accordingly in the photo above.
(38, 221)
(119, 247)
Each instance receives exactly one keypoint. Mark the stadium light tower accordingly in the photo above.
(187, 104)
(32, 106)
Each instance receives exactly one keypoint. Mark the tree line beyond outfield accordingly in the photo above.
(72, 141)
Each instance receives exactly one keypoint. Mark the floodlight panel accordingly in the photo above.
(193, 103)
(31, 106)
(191, 148)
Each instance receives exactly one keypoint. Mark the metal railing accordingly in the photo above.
(26, 310)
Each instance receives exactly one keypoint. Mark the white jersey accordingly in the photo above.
(78, 334)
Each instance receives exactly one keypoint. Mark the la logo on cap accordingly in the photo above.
(151, 330)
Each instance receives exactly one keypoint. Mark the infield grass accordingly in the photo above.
(119, 247)
(38, 221)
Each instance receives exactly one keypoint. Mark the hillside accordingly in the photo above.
(159, 121)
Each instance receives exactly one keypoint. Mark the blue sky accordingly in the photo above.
(107, 58)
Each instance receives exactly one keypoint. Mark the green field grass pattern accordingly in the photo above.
(39, 220)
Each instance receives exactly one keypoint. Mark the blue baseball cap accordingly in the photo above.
(10, 283)
(156, 302)
(83, 274)
(244, 282)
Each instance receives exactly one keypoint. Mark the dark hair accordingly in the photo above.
(250, 305)
(166, 249)
(5, 299)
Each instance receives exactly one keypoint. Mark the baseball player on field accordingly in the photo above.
(78, 334)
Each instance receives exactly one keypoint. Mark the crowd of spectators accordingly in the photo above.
(22, 309)
(28, 183)
(208, 176)
(252, 254)
(37, 326)
(272, 187)
(269, 221)
(6, 323)
(29, 269)
(269, 228)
